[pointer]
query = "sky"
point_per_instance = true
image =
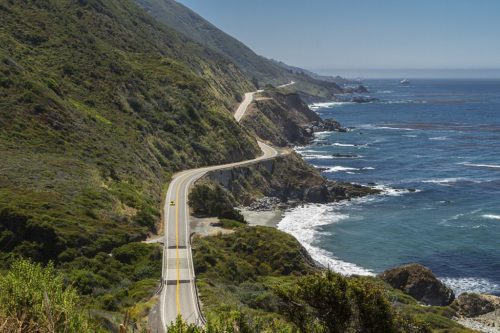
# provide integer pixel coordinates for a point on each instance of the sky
(367, 37)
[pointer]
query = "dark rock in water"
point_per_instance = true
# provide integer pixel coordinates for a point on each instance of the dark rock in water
(328, 125)
(420, 283)
(337, 155)
(473, 305)
(361, 99)
(361, 89)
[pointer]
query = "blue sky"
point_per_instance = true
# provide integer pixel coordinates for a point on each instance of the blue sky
(364, 34)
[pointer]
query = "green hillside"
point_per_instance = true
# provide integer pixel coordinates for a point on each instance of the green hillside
(258, 68)
(99, 105)
(181, 18)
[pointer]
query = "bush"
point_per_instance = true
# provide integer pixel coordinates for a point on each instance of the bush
(210, 199)
(329, 302)
(38, 300)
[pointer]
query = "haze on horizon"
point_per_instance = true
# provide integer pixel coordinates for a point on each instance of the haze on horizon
(387, 38)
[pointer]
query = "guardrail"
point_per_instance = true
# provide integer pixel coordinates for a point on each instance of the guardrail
(198, 305)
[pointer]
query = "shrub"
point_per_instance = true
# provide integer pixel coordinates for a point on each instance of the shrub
(37, 300)
(210, 199)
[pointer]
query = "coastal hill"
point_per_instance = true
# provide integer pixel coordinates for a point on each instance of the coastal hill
(259, 69)
(192, 25)
(100, 104)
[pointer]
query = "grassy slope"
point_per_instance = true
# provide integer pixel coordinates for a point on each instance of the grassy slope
(99, 104)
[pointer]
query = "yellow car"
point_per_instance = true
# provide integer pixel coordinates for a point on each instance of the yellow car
(172, 203)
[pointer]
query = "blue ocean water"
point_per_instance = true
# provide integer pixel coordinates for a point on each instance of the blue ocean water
(438, 137)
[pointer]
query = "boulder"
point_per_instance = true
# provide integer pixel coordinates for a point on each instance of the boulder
(473, 305)
(420, 283)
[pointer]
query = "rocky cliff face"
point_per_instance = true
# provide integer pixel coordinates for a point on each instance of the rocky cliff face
(284, 119)
(288, 178)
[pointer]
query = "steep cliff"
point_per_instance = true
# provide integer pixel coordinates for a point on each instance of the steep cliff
(288, 178)
(283, 119)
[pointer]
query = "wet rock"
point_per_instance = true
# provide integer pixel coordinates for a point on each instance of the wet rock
(420, 283)
(362, 99)
(473, 305)
(327, 125)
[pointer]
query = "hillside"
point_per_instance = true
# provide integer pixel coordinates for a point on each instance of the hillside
(261, 70)
(99, 105)
(184, 20)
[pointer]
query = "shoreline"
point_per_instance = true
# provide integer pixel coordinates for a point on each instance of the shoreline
(267, 218)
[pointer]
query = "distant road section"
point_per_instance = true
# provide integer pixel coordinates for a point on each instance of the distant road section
(179, 295)
(249, 97)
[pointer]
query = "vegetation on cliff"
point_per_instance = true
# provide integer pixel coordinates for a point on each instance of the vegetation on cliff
(210, 199)
(262, 280)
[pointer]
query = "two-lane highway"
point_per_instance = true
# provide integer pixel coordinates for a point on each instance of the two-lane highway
(179, 295)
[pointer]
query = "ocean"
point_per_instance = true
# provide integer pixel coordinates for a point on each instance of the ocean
(433, 147)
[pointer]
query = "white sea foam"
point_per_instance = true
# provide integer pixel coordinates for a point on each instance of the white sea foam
(339, 168)
(491, 166)
(396, 128)
(337, 144)
(404, 101)
(368, 168)
(377, 127)
(491, 216)
(316, 157)
(448, 181)
(439, 138)
(393, 192)
(321, 134)
(310, 151)
(470, 284)
(303, 223)
(327, 105)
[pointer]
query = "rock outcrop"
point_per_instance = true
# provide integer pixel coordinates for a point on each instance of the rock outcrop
(284, 119)
(472, 305)
(420, 283)
(288, 178)
(361, 89)
(328, 125)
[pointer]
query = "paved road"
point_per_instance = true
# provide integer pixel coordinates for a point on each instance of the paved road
(249, 97)
(178, 295)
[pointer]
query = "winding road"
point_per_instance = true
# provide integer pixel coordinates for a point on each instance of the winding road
(178, 294)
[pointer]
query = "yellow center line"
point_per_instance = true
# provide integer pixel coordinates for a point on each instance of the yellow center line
(177, 249)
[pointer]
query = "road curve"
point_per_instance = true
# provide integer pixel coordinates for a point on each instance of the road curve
(249, 96)
(178, 294)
